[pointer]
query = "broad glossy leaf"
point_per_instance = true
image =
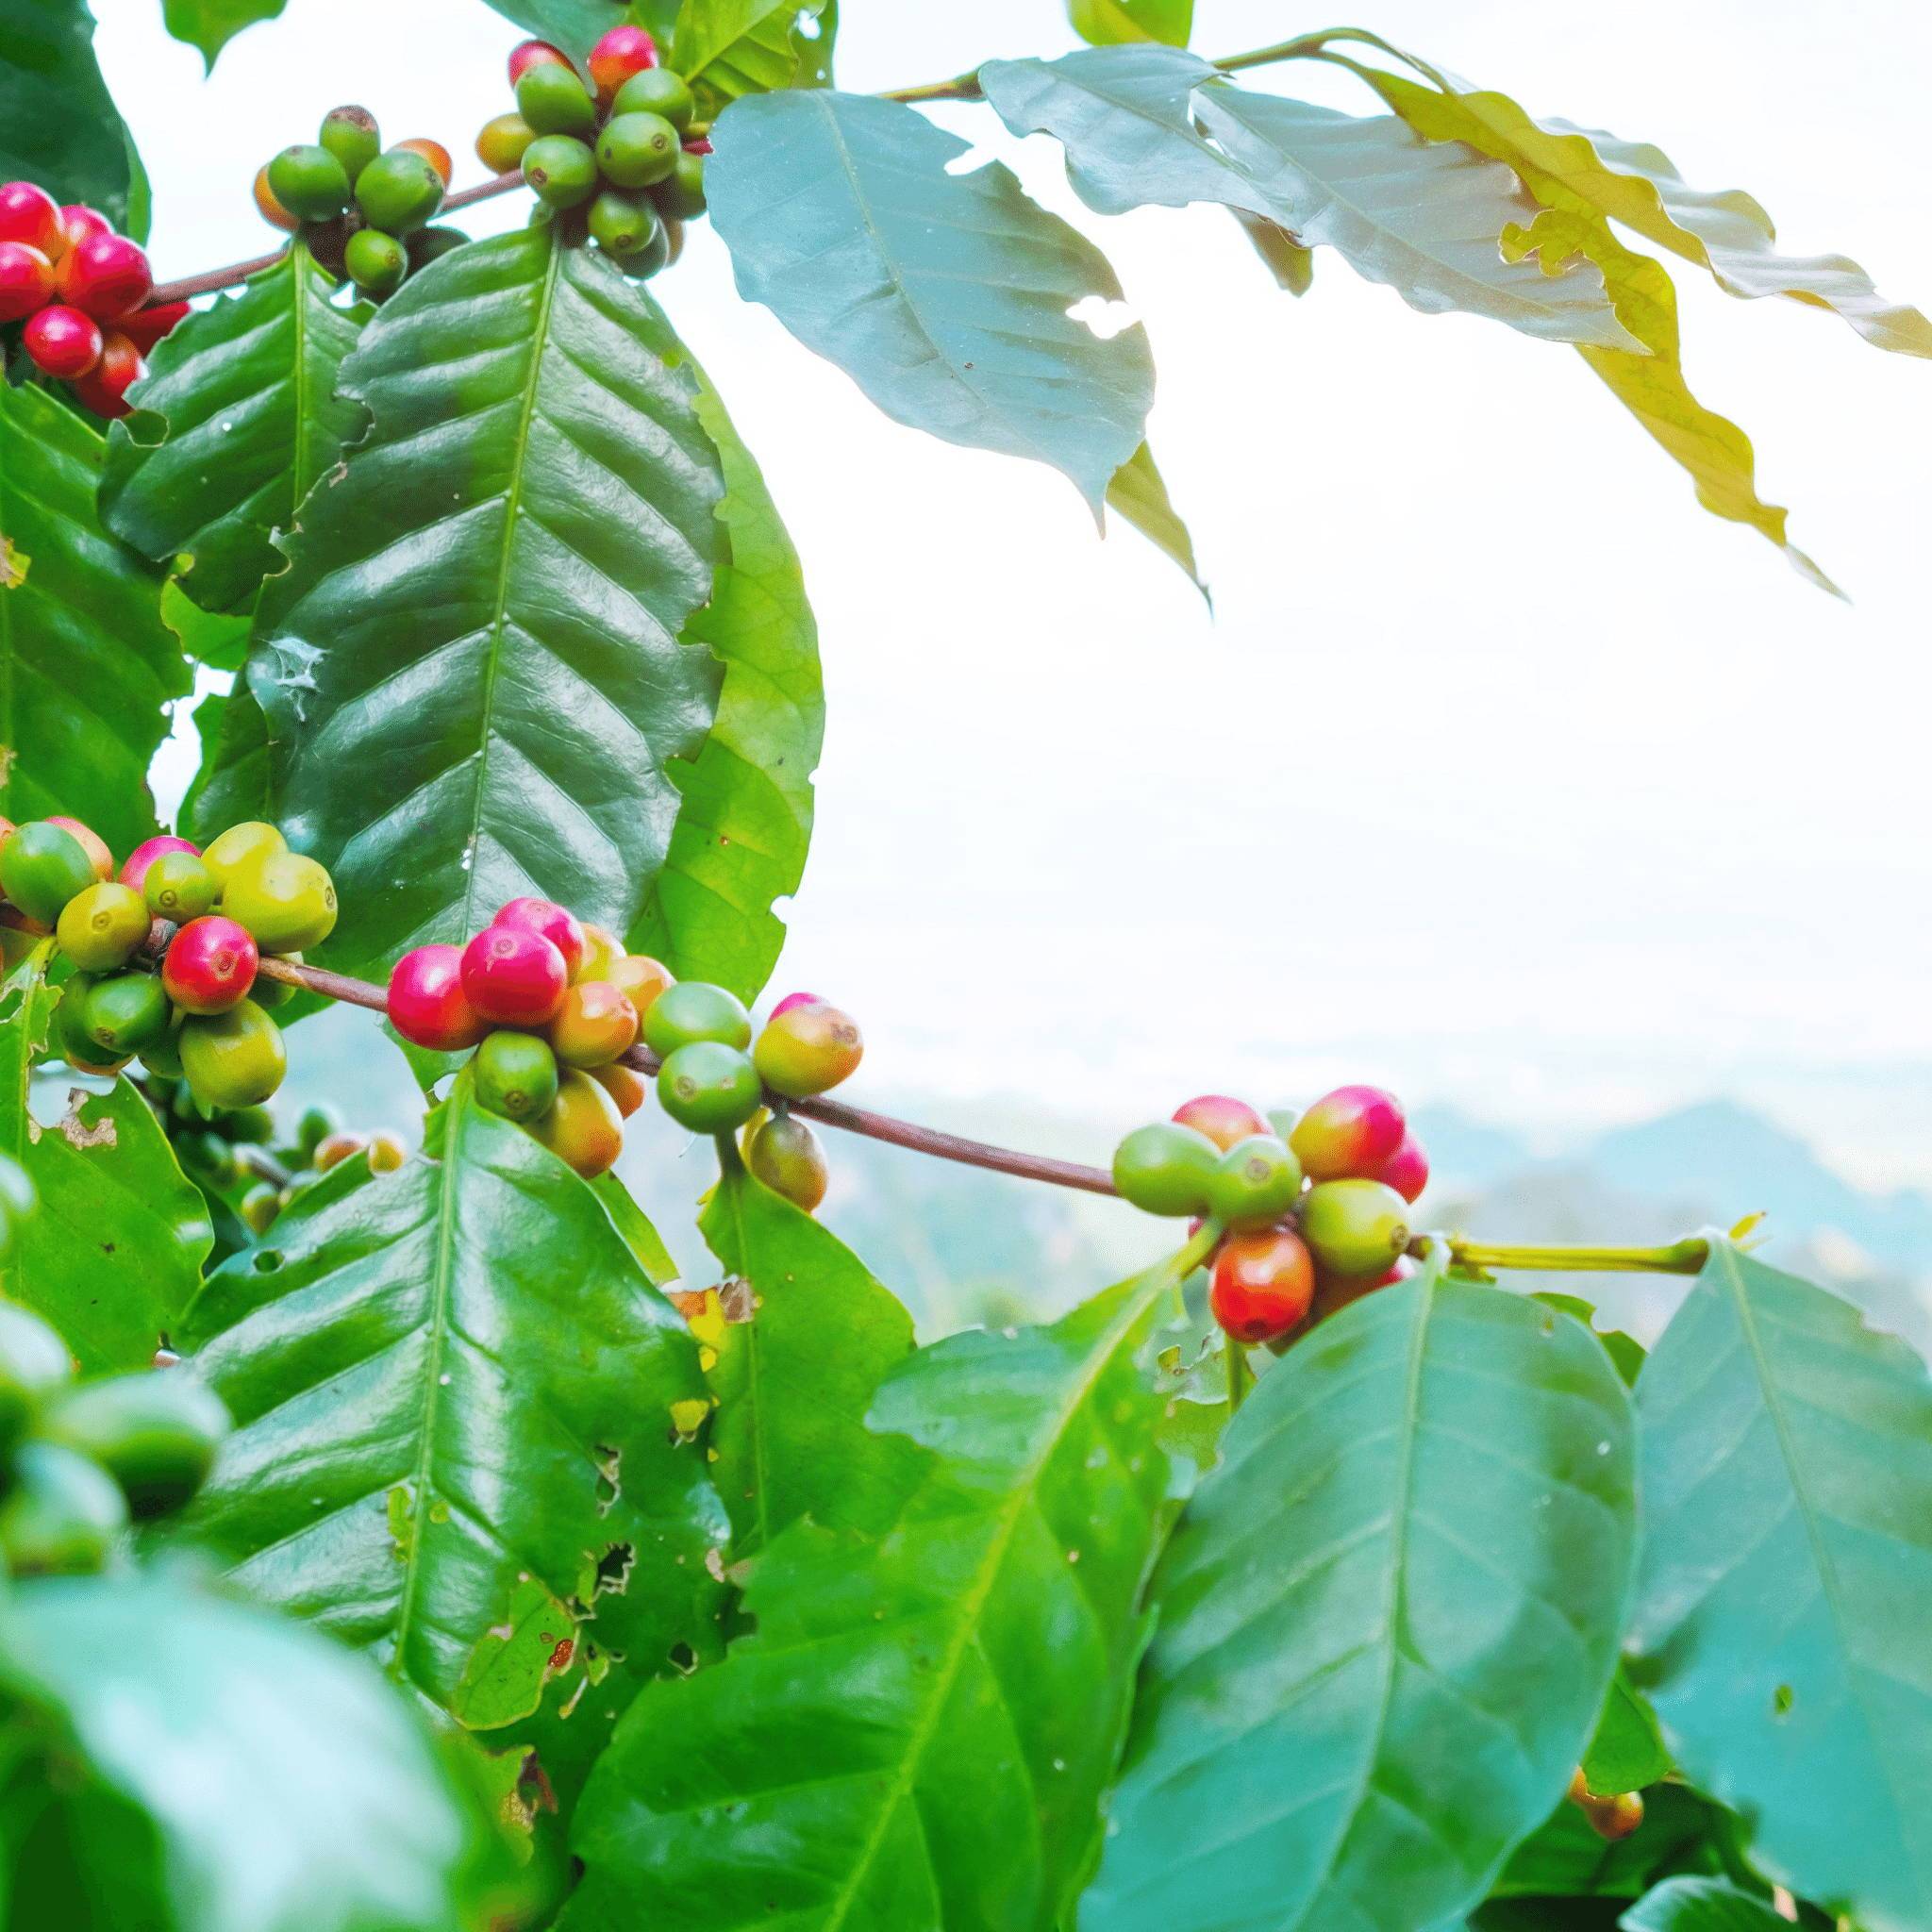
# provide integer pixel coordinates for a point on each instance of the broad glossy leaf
(289, 1788)
(1701, 1905)
(744, 821)
(58, 122)
(87, 667)
(802, 1339)
(1386, 1624)
(943, 296)
(210, 25)
(235, 424)
(575, 25)
(1106, 21)
(472, 671)
(447, 1381)
(917, 1733)
(1139, 492)
(114, 1255)
(1781, 1631)
(233, 781)
(730, 48)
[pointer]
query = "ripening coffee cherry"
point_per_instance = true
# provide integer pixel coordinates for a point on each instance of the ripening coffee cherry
(102, 928)
(657, 91)
(603, 949)
(431, 245)
(242, 845)
(1616, 1817)
(1223, 1121)
(333, 1149)
(619, 56)
(793, 1001)
(433, 152)
(1406, 1170)
(26, 280)
(1262, 1284)
(640, 979)
(309, 182)
(62, 342)
(560, 170)
(623, 1084)
(696, 1010)
(235, 1058)
(548, 920)
(352, 136)
(387, 1152)
(91, 843)
(208, 967)
(807, 1051)
(377, 264)
(1165, 1168)
(146, 327)
(34, 1362)
(134, 867)
(1348, 1134)
(286, 900)
(61, 1515)
(125, 1014)
(108, 277)
(681, 196)
(514, 977)
(41, 867)
(528, 54)
(269, 208)
(179, 886)
(501, 143)
(582, 1126)
(155, 1435)
(707, 1086)
(1254, 1183)
(554, 101)
(785, 1155)
(30, 215)
(398, 192)
(1354, 1227)
(635, 150)
(259, 1207)
(517, 1074)
(594, 1025)
(427, 1004)
(621, 223)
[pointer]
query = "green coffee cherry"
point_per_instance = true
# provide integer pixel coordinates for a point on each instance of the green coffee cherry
(309, 182)
(72, 1040)
(693, 1010)
(1166, 1168)
(657, 91)
(125, 1014)
(653, 256)
(101, 928)
(1254, 1183)
(33, 1364)
(1354, 1227)
(316, 1124)
(156, 1432)
(351, 135)
(376, 262)
(161, 1055)
(622, 224)
(561, 171)
(553, 100)
(635, 150)
(41, 867)
(62, 1514)
(709, 1087)
(681, 193)
(398, 192)
(259, 1207)
(180, 887)
(516, 1075)
(431, 245)
(235, 1058)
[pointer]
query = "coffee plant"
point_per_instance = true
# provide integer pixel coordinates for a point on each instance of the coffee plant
(391, 1539)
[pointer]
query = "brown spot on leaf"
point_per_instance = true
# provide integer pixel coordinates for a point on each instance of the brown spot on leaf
(12, 566)
(104, 1133)
(738, 1300)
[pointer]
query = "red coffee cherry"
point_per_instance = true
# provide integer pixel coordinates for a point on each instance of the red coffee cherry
(91, 843)
(104, 387)
(78, 223)
(1348, 1134)
(427, 1004)
(1262, 1284)
(32, 216)
(1223, 1121)
(62, 342)
(1406, 1170)
(551, 922)
(105, 277)
(26, 280)
(621, 53)
(514, 977)
(146, 327)
(211, 965)
(527, 54)
(134, 867)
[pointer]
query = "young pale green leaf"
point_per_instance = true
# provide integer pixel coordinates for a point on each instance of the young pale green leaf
(744, 819)
(943, 295)
(448, 1381)
(917, 1734)
(730, 48)
(1386, 1626)
(87, 667)
(58, 122)
(1781, 1631)
(1291, 265)
(1106, 23)
(209, 26)
(1139, 493)
(114, 1255)
(471, 671)
(286, 1786)
(234, 426)
(803, 1336)
(1701, 1905)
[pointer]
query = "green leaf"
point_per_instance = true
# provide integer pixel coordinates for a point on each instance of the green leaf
(806, 1336)
(1564, 1855)
(1627, 1751)
(730, 48)
(87, 667)
(210, 25)
(1387, 1624)
(1139, 492)
(1106, 21)
(1291, 265)
(235, 425)
(472, 669)
(917, 1733)
(1780, 1631)
(447, 1381)
(288, 1787)
(639, 1237)
(58, 122)
(943, 296)
(575, 25)
(114, 1255)
(1700, 1904)
(744, 823)
(233, 783)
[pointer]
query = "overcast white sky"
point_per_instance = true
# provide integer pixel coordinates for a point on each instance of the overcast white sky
(1505, 775)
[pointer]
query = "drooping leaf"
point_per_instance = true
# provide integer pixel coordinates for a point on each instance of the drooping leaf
(1700, 1904)
(1386, 1626)
(803, 1338)
(59, 125)
(1291, 265)
(730, 48)
(1139, 492)
(210, 25)
(1627, 1751)
(918, 1732)
(114, 1255)
(1780, 1631)
(235, 424)
(943, 296)
(87, 667)
(447, 1381)
(744, 819)
(289, 1789)
(1106, 21)
(471, 671)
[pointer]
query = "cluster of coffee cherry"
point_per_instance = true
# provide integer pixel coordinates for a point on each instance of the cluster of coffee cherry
(619, 165)
(1315, 1208)
(77, 294)
(364, 208)
(165, 955)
